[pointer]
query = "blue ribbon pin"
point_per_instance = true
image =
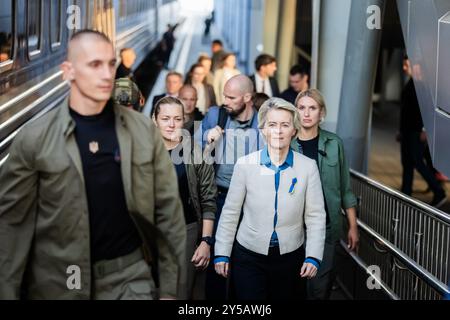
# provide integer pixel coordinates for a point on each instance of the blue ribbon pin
(292, 188)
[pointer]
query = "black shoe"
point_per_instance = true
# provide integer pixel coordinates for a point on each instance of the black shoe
(439, 200)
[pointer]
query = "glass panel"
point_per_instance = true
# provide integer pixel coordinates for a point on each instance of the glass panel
(6, 23)
(55, 21)
(34, 25)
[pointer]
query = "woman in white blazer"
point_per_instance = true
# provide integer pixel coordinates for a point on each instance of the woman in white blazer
(278, 192)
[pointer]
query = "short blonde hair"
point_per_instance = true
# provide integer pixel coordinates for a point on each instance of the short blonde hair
(316, 95)
(278, 104)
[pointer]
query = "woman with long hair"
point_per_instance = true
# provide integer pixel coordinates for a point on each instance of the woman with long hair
(205, 93)
(227, 71)
(327, 150)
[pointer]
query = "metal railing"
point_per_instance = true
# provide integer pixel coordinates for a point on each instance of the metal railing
(407, 239)
(49, 101)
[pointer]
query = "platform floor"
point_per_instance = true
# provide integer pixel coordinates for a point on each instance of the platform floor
(384, 163)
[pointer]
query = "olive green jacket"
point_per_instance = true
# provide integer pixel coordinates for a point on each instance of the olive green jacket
(335, 177)
(200, 176)
(44, 218)
(202, 186)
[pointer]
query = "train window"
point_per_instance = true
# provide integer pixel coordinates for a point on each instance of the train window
(55, 22)
(6, 23)
(34, 26)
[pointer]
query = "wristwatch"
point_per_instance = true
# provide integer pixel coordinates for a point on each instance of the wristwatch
(208, 240)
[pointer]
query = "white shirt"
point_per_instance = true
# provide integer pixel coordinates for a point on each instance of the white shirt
(260, 84)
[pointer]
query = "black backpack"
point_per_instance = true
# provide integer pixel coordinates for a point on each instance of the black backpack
(223, 117)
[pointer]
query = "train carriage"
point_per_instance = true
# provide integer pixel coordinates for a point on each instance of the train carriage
(33, 42)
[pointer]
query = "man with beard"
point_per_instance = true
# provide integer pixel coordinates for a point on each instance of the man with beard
(232, 131)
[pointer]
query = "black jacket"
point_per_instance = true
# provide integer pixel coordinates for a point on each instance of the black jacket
(124, 72)
(289, 95)
(273, 85)
(157, 98)
(410, 116)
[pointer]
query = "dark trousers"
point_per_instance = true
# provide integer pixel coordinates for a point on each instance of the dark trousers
(412, 151)
(216, 286)
(271, 277)
(319, 287)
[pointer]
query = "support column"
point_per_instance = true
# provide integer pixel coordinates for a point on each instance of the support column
(286, 40)
(256, 42)
(271, 17)
(359, 74)
(330, 53)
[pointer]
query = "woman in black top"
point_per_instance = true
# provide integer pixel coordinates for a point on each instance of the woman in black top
(327, 150)
(197, 187)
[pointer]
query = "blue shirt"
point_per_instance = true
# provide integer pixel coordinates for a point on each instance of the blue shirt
(253, 142)
(235, 146)
(265, 161)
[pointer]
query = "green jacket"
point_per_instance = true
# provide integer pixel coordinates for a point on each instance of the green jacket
(335, 177)
(44, 218)
(202, 186)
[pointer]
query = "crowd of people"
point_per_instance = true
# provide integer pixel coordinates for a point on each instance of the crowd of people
(231, 191)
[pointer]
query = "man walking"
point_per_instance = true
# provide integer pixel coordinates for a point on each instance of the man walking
(263, 80)
(233, 130)
(87, 192)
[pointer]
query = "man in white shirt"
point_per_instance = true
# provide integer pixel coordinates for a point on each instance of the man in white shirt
(263, 79)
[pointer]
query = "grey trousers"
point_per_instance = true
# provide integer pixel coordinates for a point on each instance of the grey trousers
(133, 282)
(191, 284)
(319, 288)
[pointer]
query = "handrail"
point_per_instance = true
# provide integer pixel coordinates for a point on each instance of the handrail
(407, 261)
(2, 161)
(33, 105)
(427, 208)
(364, 266)
(413, 233)
(8, 140)
(29, 91)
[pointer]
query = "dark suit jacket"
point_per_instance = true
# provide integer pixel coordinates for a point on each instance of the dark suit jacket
(124, 72)
(157, 98)
(289, 95)
(198, 116)
(273, 85)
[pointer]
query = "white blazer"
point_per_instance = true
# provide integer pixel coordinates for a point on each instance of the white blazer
(253, 188)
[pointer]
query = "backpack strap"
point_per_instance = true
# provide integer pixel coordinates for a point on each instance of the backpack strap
(223, 117)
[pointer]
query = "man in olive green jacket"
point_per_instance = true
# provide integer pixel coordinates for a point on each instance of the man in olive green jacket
(45, 234)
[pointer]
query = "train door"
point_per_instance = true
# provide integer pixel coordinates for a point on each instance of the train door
(102, 17)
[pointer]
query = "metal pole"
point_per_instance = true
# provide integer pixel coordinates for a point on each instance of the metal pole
(316, 4)
(360, 67)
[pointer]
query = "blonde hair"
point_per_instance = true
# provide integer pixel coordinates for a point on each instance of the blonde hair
(316, 95)
(278, 104)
